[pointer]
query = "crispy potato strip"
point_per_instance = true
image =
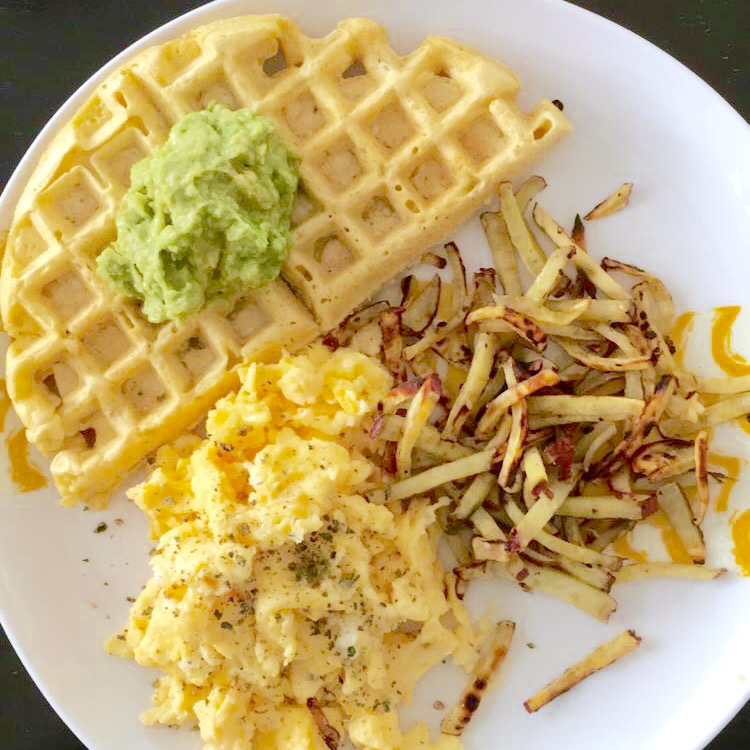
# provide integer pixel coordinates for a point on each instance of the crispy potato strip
(440, 329)
(550, 274)
(634, 507)
(595, 602)
(726, 410)
(525, 327)
(579, 257)
(540, 513)
(603, 364)
(467, 402)
(492, 656)
(548, 312)
(702, 497)
(528, 191)
(342, 335)
(602, 435)
(581, 554)
(429, 440)
(532, 256)
(663, 459)
(724, 385)
(597, 577)
(503, 252)
(486, 525)
(612, 203)
(535, 480)
(484, 548)
(599, 310)
(638, 571)
(518, 432)
(543, 406)
(417, 415)
(419, 484)
(585, 408)
(601, 657)
(475, 495)
(512, 396)
(393, 344)
(647, 419)
(419, 305)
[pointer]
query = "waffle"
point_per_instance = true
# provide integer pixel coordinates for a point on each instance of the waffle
(395, 152)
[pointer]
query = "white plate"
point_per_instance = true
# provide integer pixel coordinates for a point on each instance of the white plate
(638, 115)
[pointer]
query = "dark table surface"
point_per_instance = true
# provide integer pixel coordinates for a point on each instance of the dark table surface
(49, 47)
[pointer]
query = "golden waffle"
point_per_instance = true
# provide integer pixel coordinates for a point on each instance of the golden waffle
(395, 152)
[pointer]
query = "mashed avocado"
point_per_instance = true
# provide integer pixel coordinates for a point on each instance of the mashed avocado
(207, 216)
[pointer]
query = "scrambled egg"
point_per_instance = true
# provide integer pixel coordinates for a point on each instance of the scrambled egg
(280, 593)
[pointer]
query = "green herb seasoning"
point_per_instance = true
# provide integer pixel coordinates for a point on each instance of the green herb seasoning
(310, 564)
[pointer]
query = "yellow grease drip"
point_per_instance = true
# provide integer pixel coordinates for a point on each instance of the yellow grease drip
(675, 548)
(741, 538)
(623, 548)
(4, 403)
(730, 467)
(24, 473)
(721, 342)
(743, 424)
(679, 335)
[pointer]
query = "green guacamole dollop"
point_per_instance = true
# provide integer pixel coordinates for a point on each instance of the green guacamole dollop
(207, 216)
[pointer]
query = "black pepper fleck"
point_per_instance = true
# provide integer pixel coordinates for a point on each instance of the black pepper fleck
(472, 702)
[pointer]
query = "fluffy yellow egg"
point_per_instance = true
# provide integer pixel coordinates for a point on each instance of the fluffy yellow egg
(277, 582)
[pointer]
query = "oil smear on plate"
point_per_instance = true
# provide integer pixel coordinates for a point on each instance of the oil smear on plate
(734, 364)
(694, 334)
(720, 331)
(25, 475)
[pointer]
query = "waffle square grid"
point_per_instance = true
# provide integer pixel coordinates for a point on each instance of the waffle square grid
(395, 151)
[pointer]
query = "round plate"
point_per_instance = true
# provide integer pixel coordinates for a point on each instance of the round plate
(638, 115)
